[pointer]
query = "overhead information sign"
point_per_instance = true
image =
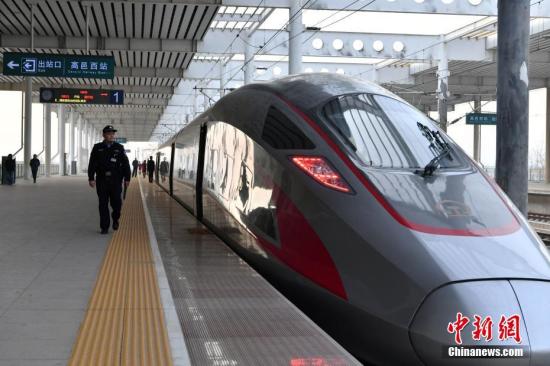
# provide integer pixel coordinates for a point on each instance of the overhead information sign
(481, 119)
(81, 96)
(56, 65)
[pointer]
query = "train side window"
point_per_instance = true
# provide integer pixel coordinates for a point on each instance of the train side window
(280, 133)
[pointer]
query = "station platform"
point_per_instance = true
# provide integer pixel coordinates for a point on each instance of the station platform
(50, 254)
(539, 199)
(539, 187)
(162, 290)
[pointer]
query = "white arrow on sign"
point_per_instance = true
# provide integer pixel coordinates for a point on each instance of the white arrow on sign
(12, 65)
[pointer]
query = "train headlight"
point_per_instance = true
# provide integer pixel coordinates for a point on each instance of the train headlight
(320, 170)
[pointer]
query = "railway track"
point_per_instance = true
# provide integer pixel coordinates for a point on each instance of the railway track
(541, 224)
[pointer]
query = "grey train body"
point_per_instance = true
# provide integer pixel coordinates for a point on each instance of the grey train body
(381, 256)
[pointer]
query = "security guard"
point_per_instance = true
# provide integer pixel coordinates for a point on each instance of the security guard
(108, 167)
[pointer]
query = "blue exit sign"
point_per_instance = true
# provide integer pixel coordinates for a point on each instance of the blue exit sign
(58, 65)
(481, 119)
(121, 140)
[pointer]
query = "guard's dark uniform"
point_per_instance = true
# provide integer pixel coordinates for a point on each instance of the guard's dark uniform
(110, 166)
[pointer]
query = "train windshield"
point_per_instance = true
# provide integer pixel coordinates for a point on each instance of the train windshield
(386, 133)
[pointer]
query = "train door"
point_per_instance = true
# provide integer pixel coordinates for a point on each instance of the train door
(157, 164)
(200, 171)
(171, 173)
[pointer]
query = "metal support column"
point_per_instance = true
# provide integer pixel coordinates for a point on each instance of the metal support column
(195, 103)
(84, 147)
(72, 127)
(248, 59)
(426, 109)
(88, 141)
(374, 75)
(48, 138)
(61, 118)
(84, 138)
(222, 79)
(27, 153)
(27, 140)
(79, 146)
(205, 101)
(295, 38)
(513, 100)
(91, 140)
(92, 137)
(443, 84)
(477, 131)
(547, 155)
(88, 137)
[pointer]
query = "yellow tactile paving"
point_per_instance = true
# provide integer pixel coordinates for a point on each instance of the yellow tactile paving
(124, 323)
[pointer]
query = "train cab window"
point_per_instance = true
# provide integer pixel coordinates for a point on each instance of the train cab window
(384, 132)
(280, 133)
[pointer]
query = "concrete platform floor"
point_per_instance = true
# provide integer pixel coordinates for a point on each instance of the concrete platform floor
(539, 187)
(50, 253)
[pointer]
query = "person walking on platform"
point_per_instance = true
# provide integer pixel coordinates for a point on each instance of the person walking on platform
(10, 169)
(144, 168)
(108, 167)
(150, 168)
(35, 163)
(164, 169)
(135, 165)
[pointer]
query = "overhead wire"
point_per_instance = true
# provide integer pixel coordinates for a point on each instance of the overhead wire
(263, 47)
(231, 43)
(535, 2)
(247, 61)
(303, 31)
(339, 20)
(316, 24)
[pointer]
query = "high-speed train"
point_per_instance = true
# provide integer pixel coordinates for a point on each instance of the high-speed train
(371, 219)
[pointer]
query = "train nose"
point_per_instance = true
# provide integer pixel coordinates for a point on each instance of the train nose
(534, 298)
(495, 322)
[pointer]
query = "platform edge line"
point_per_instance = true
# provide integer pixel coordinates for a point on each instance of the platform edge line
(177, 341)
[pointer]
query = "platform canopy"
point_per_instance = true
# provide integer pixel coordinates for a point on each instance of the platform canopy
(175, 57)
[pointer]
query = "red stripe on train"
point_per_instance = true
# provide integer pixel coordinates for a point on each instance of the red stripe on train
(301, 248)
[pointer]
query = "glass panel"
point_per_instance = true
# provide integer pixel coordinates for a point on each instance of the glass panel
(281, 133)
(384, 132)
(164, 166)
(185, 165)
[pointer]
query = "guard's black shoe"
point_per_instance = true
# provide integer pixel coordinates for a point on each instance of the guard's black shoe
(115, 225)
(104, 231)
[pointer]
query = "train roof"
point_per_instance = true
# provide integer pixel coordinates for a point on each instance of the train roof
(308, 91)
(312, 89)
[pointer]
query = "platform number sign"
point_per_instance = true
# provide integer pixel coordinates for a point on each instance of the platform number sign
(116, 97)
(81, 96)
